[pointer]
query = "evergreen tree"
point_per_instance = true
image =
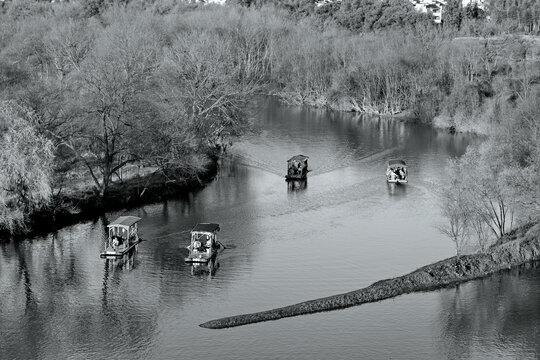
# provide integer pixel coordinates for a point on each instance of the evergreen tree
(474, 12)
(452, 15)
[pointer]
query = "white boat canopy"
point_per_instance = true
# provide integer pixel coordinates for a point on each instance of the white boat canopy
(124, 221)
(206, 228)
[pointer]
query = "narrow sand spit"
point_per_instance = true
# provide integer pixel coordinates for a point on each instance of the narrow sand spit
(522, 248)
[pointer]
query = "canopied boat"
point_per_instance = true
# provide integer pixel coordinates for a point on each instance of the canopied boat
(297, 167)
(396, 171)
(204, 244)
(123, 236)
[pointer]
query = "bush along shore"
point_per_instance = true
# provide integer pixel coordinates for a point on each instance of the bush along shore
(520, 248)
(81, 205)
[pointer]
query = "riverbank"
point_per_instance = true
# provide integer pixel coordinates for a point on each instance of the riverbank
(432, 86)
(343, 103)
(74, 206)
(346, 103)
(522, 246)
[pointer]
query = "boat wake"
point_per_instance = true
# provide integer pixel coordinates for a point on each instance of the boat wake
(344, 159)
(258, 163)
(264, 156)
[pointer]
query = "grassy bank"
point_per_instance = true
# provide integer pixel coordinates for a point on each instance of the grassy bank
(521, 247)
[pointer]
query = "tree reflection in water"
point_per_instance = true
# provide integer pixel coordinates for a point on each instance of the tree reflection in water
(112, 265)
(25, 275)
(494, 317)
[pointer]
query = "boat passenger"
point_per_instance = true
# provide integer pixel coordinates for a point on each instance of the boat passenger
(196, 246)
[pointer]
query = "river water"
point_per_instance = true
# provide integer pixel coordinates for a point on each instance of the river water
(342, 230)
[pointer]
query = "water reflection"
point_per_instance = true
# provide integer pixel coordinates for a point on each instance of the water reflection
(210, 268)
(396, 190)
(125, 262)
(24, 274)
(498, 315)
(296, 185)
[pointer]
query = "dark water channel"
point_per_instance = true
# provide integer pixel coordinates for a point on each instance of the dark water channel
(343, 230)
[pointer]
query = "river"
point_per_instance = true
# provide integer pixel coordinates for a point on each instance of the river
(342, 230)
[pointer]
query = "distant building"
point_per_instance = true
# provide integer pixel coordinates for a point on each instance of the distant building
(435, 7)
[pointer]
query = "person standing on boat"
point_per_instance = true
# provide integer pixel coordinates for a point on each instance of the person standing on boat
(115, 242)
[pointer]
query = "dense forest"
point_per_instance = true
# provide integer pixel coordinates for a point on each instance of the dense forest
(95, 91)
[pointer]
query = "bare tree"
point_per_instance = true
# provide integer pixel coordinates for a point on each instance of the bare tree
(524, 140)
(210, 82)
(67, 45)
(489, 194)
(484, 236)
(456, 211)
(110, 99)
(478, 200)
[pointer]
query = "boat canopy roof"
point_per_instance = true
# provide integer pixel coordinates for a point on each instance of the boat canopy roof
(206, 227)
(125, 221)
(299, 158)
(396, 162)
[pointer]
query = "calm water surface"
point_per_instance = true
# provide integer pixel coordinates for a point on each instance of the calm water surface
(342, 230)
